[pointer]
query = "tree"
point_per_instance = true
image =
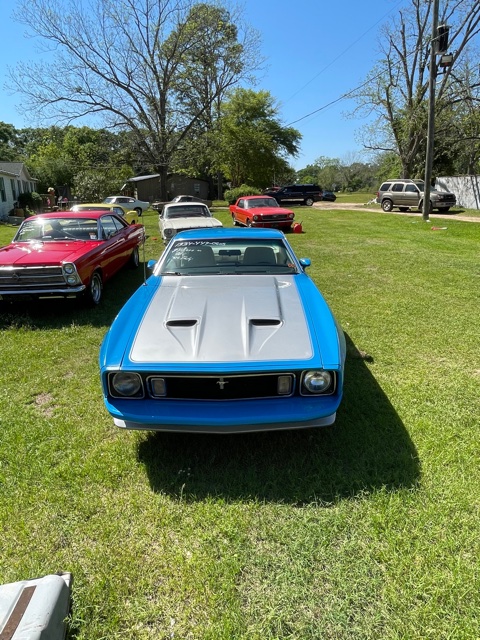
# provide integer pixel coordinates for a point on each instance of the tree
(396, 89)
(138, 64)
(73, 155)
(8, 143)
(253, 143)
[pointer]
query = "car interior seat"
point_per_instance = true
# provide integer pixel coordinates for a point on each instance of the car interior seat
(259, 256)
(200, 257)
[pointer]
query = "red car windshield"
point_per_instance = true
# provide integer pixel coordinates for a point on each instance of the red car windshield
(54, 229)
(260, 202)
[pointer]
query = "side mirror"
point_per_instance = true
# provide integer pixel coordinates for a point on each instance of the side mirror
(151, 264)
(305, 262)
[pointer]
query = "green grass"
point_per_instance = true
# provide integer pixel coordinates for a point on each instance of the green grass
(366, 530)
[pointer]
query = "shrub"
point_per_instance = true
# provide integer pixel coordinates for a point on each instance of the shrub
(232, 195)
(30, 200)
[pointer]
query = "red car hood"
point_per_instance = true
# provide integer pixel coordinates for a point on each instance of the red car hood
(269, 211)
(44, 253)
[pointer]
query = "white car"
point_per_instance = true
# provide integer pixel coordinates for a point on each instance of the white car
(132, 204)
(180, 216)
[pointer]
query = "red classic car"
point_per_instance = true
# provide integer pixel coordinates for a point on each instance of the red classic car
(261, 211)
(66, 254)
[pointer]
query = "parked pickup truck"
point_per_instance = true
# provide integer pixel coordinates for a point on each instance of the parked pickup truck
(261, 211)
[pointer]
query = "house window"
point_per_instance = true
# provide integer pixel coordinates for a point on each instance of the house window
(14, 193)
(3, 195)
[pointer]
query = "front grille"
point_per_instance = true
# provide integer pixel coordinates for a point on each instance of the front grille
(40, 277)
(222, 387)
(275, 218)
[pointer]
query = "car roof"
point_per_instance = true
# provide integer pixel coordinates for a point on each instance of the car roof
(99, 206)
(222, 233)
(179, 205)
(70, 214)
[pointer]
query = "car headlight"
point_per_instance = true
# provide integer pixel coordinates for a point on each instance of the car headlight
(127, 384)
(70, 273)
(256, 218)
(291, 216)
(69, 268)
(318, 382)
(168, 233)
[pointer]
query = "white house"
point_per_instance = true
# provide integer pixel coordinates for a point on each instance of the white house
(14, 180)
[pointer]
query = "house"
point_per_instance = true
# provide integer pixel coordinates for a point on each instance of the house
(147, 188)
(14, 180)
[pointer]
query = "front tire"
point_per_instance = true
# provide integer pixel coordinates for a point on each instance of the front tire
(443, 209)
(309, 202)
(95, 290)
(420, 207)
(234, 220)
(138, 211)
(387, 205)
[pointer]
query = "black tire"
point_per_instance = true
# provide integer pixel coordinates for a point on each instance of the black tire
(138, 211)
(420, 207)
(249, 222)
(94, 290)
(235, 223)
(403, 209)
(134, 258)
(387, 205)
(443, 209)
(308, 202)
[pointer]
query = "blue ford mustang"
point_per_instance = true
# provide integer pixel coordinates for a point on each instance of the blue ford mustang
(227, 335)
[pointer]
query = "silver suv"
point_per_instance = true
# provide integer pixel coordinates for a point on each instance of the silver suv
(406, 194)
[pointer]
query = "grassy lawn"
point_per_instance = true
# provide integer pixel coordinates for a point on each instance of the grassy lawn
(366, 530)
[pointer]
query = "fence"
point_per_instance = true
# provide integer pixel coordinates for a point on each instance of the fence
(466, 188)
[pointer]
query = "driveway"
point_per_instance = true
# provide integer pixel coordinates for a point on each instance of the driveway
(355, 206)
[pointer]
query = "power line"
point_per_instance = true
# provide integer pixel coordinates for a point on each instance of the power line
(343, 52)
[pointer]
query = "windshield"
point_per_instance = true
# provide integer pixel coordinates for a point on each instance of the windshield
(55, 229)
(260, 202)
(229, 256)
(187, 211)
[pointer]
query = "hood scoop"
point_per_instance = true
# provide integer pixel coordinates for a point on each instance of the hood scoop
(265, 322)
(181, 323)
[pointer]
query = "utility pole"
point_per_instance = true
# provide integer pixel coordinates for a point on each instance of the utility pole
(431, 113)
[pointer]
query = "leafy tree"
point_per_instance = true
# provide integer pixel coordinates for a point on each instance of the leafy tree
(396, 89)
(253, 143)
(150, 67)
(8, 143)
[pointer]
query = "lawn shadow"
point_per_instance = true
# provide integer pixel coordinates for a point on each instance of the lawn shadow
(56, 313)
(367, 449)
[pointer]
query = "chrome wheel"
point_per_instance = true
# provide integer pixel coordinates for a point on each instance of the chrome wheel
(95, 289)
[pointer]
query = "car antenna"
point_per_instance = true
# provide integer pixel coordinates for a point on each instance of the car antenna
(144, 256)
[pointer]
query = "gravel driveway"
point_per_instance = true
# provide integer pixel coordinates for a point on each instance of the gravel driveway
(355, 206)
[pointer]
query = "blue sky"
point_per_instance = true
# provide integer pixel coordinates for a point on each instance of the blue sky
(316, 52)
